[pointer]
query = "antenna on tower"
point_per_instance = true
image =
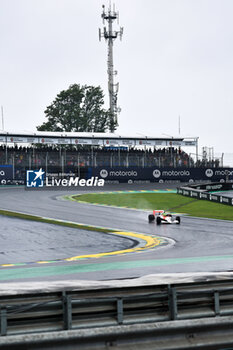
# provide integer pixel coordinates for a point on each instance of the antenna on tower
(110, 35)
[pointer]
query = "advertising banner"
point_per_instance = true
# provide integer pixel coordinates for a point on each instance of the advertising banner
(6, 174)
(97, 142)
(32, 140)
(16, 139)
(145, 143)
(193, 192)
(49, 141)
(112, 142)
(128, 143)
(63, 141)
(81, 141)
(155, 174)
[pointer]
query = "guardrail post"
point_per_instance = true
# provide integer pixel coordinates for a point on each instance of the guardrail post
(216, 304)
(67, 311)
(119, 311)
(3, 321)
(172, 302)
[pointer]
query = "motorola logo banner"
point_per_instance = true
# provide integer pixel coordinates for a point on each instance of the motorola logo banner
(103, 173)
(209, 172)
(156, 173)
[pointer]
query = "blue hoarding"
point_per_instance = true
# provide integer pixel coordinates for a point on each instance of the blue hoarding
(6, 174)
(155, 174)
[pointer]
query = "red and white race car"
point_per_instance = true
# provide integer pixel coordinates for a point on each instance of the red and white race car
(162, 217)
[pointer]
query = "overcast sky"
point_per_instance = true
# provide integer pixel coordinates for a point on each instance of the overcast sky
(175, 59)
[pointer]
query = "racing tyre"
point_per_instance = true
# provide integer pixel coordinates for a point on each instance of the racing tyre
(158, 220)
(178, 220)
(151, 218)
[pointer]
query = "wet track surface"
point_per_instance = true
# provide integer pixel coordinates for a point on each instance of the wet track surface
(198, 244)
(24, 241)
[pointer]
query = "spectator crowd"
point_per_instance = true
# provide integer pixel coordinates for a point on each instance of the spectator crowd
(87, 156)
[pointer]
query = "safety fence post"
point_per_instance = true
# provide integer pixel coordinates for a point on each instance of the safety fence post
(67, 311)
(119, 311)
(3, 321)
(172, 302)
(216, 304)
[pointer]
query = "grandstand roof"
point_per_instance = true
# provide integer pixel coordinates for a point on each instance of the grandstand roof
(84, 138)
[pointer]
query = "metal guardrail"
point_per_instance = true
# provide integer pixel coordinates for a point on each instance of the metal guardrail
(165, 317)
(72, 310)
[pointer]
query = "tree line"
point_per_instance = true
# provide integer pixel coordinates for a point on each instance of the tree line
(79, 109)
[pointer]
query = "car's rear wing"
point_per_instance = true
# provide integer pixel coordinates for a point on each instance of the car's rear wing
(158, 212)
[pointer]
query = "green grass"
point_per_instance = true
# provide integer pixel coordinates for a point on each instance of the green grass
(169, 202)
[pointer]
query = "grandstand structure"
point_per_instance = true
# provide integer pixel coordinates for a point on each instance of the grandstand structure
(89, 149)
(98, 154)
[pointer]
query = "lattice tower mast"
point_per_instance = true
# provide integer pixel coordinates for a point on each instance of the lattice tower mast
(110, 35)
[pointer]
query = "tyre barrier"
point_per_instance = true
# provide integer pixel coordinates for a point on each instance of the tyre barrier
(205, 191)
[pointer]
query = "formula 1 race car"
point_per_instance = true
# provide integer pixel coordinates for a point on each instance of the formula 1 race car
(163, 218)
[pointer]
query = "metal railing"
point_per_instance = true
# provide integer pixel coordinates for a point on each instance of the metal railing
(81, 310)
(205, 192)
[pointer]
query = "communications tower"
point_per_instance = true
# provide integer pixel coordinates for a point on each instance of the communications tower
(110, 35)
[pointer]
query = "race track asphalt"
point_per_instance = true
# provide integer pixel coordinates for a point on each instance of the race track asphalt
(197, 245)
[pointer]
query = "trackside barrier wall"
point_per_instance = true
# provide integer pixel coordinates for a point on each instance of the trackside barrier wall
(156, 174)
(6, 173)
(202, 191)
(134, 309)
(16, 175)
